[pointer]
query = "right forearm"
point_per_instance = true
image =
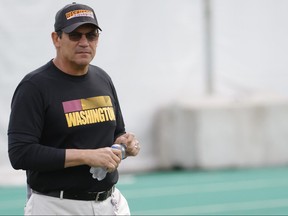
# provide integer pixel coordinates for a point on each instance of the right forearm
(108, 158)
(75, 157)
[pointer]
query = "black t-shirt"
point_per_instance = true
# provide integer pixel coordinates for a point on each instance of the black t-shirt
(52, 111)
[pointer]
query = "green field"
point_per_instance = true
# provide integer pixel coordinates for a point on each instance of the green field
(223, 192)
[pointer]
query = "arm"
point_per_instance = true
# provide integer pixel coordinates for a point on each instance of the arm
(103, 157)
(24, 132)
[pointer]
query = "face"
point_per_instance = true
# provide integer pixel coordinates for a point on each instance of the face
(78, 48)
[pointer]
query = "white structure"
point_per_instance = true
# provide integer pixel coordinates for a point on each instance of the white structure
(217, 133)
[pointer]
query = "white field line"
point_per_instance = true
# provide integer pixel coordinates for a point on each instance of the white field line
(204, 188)
(218, 208)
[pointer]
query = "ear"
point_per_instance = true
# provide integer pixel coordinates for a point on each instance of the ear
(97, 41)
(55, 39)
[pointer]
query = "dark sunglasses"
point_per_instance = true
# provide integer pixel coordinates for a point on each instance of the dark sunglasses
(76, 36)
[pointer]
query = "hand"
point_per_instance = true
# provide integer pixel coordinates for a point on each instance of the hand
(132, 144)
(105, 157)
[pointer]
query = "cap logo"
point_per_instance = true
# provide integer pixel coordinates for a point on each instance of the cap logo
(79, 13)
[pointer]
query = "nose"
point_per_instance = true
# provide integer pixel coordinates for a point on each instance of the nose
(83, 41)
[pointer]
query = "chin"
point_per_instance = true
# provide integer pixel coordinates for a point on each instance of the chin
(83, 62)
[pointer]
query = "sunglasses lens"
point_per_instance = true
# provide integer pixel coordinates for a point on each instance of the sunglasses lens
(76, 36)
(92, 36)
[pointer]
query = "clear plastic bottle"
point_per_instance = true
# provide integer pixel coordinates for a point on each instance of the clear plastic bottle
(100, 172)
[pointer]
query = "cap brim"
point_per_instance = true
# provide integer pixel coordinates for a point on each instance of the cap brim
(72, 27)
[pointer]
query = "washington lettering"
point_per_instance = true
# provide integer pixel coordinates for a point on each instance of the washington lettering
(88, 111)
(79, 13)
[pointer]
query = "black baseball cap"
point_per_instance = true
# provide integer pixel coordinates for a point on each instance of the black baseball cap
(74, 15)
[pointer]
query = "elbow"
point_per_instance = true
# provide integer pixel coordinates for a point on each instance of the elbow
(17, 152)
(17, 157)
(15, 166)
(15, 162)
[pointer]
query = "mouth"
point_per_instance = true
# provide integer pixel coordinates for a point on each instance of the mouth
(83, 52)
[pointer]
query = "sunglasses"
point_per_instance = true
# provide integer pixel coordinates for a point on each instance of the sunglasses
(90, 36)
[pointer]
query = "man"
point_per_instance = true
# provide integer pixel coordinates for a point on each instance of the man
(65, 116)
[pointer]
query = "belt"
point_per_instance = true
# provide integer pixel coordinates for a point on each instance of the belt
(88, 196)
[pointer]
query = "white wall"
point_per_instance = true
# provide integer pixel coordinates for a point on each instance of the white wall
(153, 50)
(251, 46)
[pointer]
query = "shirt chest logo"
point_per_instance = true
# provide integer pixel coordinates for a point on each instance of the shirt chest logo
(88, 111)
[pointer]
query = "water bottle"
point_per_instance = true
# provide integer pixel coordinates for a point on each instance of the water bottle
(100, 172)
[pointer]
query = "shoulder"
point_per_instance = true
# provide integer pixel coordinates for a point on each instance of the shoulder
(39, 73)
(100, 75)
(36, 79)
(99, 72)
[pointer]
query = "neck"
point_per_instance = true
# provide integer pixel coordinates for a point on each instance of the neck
(74, 70)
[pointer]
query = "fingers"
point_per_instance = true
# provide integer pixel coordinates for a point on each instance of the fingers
(106, 157)
(117, 152)
(135, 147)
(131, 142)
(136, 144)
(110, 158)
(121, 139)
(115, 160)
(111, 167)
